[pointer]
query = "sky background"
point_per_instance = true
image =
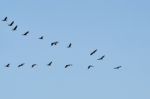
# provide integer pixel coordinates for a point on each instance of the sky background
(119, 29)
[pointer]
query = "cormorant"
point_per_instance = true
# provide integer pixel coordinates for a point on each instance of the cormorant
(11, 23)
(118, 67)
(68, 65)
(15, 28)
(69, 46)
(26, 33)
(90, 66)
(101, 57)
(5, 19)
(93, 52)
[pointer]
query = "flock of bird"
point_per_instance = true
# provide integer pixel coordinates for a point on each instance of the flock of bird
(52, 44)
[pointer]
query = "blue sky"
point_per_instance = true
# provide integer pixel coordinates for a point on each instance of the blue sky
(117, 28)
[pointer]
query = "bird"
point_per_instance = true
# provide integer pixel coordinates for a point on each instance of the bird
(69, 46)
(41, 37)
(93, 52)
(90, 66)
(8, 65)
(68, 65)
(26, 33)
(15, 28)
(5, 19)
(54, 43)
(49, 64)
(118, 67)
(101, 57)
(21, 65)
(11, 23)
(33, 65)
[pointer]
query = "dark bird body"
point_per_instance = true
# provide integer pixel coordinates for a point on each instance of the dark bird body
(101, 57)
(15, 28)
(93, 52)
(118, 67)
(54, 43)
(68, 65)
(41, 37)
(26, 33)
(8, 65)
(90, 66)
(5, 19)
(21, 65)
(49, 64)
(33, 65)
(11, 23)
(69, 46)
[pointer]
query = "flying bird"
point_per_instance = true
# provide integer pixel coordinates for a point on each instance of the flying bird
(118, 67)
(69, 46)
(26, 33)
(93, 52)
(15, 28)
(101, 57)
(54, 43)
(68, 65)
(41, 37)
(33, 65)
(8, 65)
(49, 64)
(11, 23)
(90, 66)
(5, 19)
(21, 65)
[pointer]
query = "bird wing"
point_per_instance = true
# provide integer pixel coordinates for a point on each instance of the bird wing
(118, 67)
(93, 52)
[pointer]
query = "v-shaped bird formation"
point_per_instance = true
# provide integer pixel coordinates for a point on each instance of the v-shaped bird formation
(55, 43)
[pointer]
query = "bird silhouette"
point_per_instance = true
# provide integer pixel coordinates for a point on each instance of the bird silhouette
(15, 28)
(54, 43)
(69, 46)
(41, 37)
(8, 65)
(21, 65)
(33, 65)
(26, 33)
(90, 66)
(11, 23)
(101, 57)
(93, 52)
(118, 67)
(49, 64)
(68, 65)
(5, 19)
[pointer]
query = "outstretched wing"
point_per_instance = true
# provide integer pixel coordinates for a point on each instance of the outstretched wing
(93, 52)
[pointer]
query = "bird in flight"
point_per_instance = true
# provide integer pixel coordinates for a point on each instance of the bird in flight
(21, 65)
(11, 23)
(8, 65)
(54, 43)
(26, 33)
(101, 57)
(118, 67)
(93, 52)
(41, 37)
(33, 65)
(68, 65)
(49, 64)
(5, 19)
(90, 66)
(15, 28)
(69, 46)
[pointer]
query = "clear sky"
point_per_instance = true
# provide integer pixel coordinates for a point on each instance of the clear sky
(119, 29)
